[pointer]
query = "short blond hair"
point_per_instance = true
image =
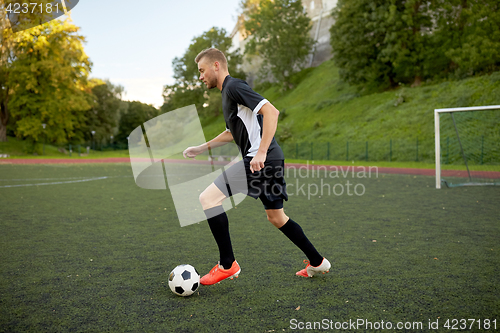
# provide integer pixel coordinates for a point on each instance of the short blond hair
(212, 55)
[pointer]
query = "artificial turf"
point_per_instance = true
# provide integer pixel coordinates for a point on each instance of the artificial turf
(94, 256)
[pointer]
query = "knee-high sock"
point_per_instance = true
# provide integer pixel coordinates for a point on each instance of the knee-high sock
(295, 233)
(219, 225)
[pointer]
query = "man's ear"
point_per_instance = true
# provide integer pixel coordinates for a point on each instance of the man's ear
(216, 65)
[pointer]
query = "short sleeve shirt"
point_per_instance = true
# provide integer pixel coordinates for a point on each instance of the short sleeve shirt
(240, 105)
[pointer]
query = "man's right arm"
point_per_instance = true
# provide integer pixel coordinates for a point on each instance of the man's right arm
(219, 140)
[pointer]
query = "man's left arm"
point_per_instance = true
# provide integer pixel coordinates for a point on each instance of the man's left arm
(269, 124)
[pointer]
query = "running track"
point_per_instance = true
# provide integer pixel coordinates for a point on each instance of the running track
(404, 171)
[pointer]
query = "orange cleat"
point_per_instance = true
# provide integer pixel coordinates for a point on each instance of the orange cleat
(311, 271)
(218, 273)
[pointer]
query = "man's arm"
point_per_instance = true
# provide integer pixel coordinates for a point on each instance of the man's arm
(219, 140)
(269, 125)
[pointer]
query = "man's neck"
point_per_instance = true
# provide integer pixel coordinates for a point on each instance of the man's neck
(221, 79)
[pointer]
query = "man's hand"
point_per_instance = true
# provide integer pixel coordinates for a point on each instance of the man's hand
(257, 163)
(191, 152)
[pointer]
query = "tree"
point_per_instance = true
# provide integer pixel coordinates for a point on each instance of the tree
(9, 49)
(469, 35)
(47, 82)
(105, 99)
(407, 41)
(357, 37)
(6, 57)
(134, 114)
(179, 95)
(188, 89)
(385, 43)
(279, 32)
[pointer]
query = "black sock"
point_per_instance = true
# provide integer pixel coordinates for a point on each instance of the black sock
(219, 225)
(295, 233)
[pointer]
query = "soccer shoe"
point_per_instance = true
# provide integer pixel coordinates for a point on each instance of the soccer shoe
(311, 271)
(218, 273)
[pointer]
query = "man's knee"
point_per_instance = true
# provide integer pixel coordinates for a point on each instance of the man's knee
(211, 198)
(278, 219)
(205, 200)
(271, 219)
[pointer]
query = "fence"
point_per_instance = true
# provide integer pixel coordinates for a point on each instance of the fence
(373, 150)
(487, 150)
(415, 150)
(82, 149)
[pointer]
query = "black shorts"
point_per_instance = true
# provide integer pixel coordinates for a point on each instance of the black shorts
(267, 184)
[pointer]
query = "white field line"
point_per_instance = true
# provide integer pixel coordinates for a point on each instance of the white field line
(33, 179)
(57, 183)
(77, 180)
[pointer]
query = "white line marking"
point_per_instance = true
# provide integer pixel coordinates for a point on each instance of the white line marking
(32, 179)
(56, 183)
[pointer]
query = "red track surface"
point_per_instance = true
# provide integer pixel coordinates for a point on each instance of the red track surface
(320, 168)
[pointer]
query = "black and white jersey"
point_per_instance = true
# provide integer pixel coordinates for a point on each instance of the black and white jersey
(240, 105)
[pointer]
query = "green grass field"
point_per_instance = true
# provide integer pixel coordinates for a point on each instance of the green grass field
(94, 256)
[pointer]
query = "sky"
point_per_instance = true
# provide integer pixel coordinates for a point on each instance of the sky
(133, 43)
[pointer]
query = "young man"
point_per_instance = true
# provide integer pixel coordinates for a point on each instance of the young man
(251, 122)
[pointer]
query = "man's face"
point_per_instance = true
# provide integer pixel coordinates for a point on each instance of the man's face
(207, 73)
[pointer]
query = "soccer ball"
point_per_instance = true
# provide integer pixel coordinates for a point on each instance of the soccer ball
(184, 280)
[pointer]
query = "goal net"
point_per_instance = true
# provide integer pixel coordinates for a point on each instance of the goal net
(467, 146)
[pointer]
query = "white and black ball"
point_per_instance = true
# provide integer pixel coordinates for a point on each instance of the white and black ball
(184, 280)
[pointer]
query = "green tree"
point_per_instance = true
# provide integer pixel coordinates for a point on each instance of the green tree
(407, 41)
(9, 51)
(105, 99)
(469, 35)
(134, 114)
(6, 41)
(279, 32)
(179, 95)
(47, 82)
(188, 89)
(385, 43)
(380, 44)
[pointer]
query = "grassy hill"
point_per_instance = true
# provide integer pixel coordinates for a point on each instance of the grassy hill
(322, 109)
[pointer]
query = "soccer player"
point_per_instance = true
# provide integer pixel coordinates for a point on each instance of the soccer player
(251, 122)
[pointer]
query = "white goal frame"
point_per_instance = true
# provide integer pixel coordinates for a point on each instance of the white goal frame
(437, 134)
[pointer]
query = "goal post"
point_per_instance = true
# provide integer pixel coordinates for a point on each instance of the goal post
(472, 144)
